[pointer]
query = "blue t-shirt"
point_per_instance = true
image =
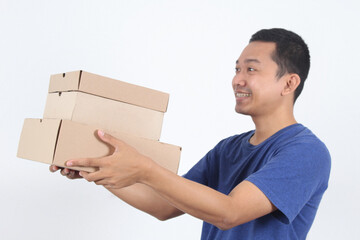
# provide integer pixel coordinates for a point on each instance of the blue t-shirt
(291, 168)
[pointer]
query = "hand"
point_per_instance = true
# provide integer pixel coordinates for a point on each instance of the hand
(71, 174)
(123, 168)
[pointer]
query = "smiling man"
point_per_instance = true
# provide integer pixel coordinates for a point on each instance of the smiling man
(263, 184)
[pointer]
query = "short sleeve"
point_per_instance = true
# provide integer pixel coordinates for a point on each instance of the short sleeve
(296, 174)
(198, 173)
(205, 171)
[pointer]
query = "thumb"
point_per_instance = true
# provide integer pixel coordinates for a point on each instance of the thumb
(109, 139)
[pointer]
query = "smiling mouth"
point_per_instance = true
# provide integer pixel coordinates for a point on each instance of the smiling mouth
(242, 94)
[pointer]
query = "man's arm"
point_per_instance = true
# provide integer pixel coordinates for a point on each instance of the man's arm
(126, 167)
(147, 200)
(245, 202)
(139, 196)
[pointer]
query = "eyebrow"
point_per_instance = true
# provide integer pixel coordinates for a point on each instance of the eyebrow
(249, 60)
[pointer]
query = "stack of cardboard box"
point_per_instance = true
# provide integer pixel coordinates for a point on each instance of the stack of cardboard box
(79, 103)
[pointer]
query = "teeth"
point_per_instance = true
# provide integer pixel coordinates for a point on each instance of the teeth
(242, 94)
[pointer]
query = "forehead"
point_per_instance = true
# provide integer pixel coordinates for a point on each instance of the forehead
(261, 51)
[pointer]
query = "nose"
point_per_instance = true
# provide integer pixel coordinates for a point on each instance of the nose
(238, 80)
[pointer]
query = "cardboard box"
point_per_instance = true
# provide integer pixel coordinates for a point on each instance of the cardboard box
(54, 141)
(109, 88)
(104, 113)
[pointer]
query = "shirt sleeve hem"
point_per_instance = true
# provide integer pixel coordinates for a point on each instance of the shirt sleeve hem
(282, 214)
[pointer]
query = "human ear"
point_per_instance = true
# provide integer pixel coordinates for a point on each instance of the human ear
(292, 81)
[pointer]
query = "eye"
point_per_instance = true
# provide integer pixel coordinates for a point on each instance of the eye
(250, 69)
(237, 69)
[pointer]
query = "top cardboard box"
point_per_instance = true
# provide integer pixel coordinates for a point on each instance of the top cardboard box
(109, 88)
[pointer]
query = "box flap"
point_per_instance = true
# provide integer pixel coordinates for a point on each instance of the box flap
(60, 105)
(65, 82)
(109, 88)
(45, 133)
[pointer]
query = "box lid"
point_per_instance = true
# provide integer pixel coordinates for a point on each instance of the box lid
(45, 134)
(109, 88)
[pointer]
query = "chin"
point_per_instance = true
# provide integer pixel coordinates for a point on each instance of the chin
(241, 111)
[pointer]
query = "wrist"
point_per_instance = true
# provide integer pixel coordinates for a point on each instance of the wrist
(147, 168)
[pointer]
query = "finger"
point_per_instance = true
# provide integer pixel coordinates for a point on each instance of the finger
(84, 162)
(65, 171)
(92, 177)
(103, 182)
(53, 168)
(84, 175)
(116, 143)
(73, 174)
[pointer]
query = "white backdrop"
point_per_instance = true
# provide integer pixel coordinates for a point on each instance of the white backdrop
(185, 48)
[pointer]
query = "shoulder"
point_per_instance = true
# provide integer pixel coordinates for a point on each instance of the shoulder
(305, 152)
(302, 140)
(298, 137)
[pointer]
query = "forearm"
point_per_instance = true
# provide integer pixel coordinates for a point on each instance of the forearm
(190, 197)
(147, 200)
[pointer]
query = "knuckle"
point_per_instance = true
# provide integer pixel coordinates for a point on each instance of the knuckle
(87, 162)
(106, 163)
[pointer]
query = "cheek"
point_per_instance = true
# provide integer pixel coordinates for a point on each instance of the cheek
(271, 94)
(266, 93)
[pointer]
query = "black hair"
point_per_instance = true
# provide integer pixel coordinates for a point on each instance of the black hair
(291, 54)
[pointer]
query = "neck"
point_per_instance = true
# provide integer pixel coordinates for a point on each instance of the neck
(266, 126)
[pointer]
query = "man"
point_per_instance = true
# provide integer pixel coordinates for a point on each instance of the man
(262, 184)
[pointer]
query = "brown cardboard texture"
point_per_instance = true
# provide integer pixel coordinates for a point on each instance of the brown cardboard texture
(109, 88)
(104, 113)
(55, 141)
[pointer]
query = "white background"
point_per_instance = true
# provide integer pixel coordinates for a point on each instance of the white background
(185, 48)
